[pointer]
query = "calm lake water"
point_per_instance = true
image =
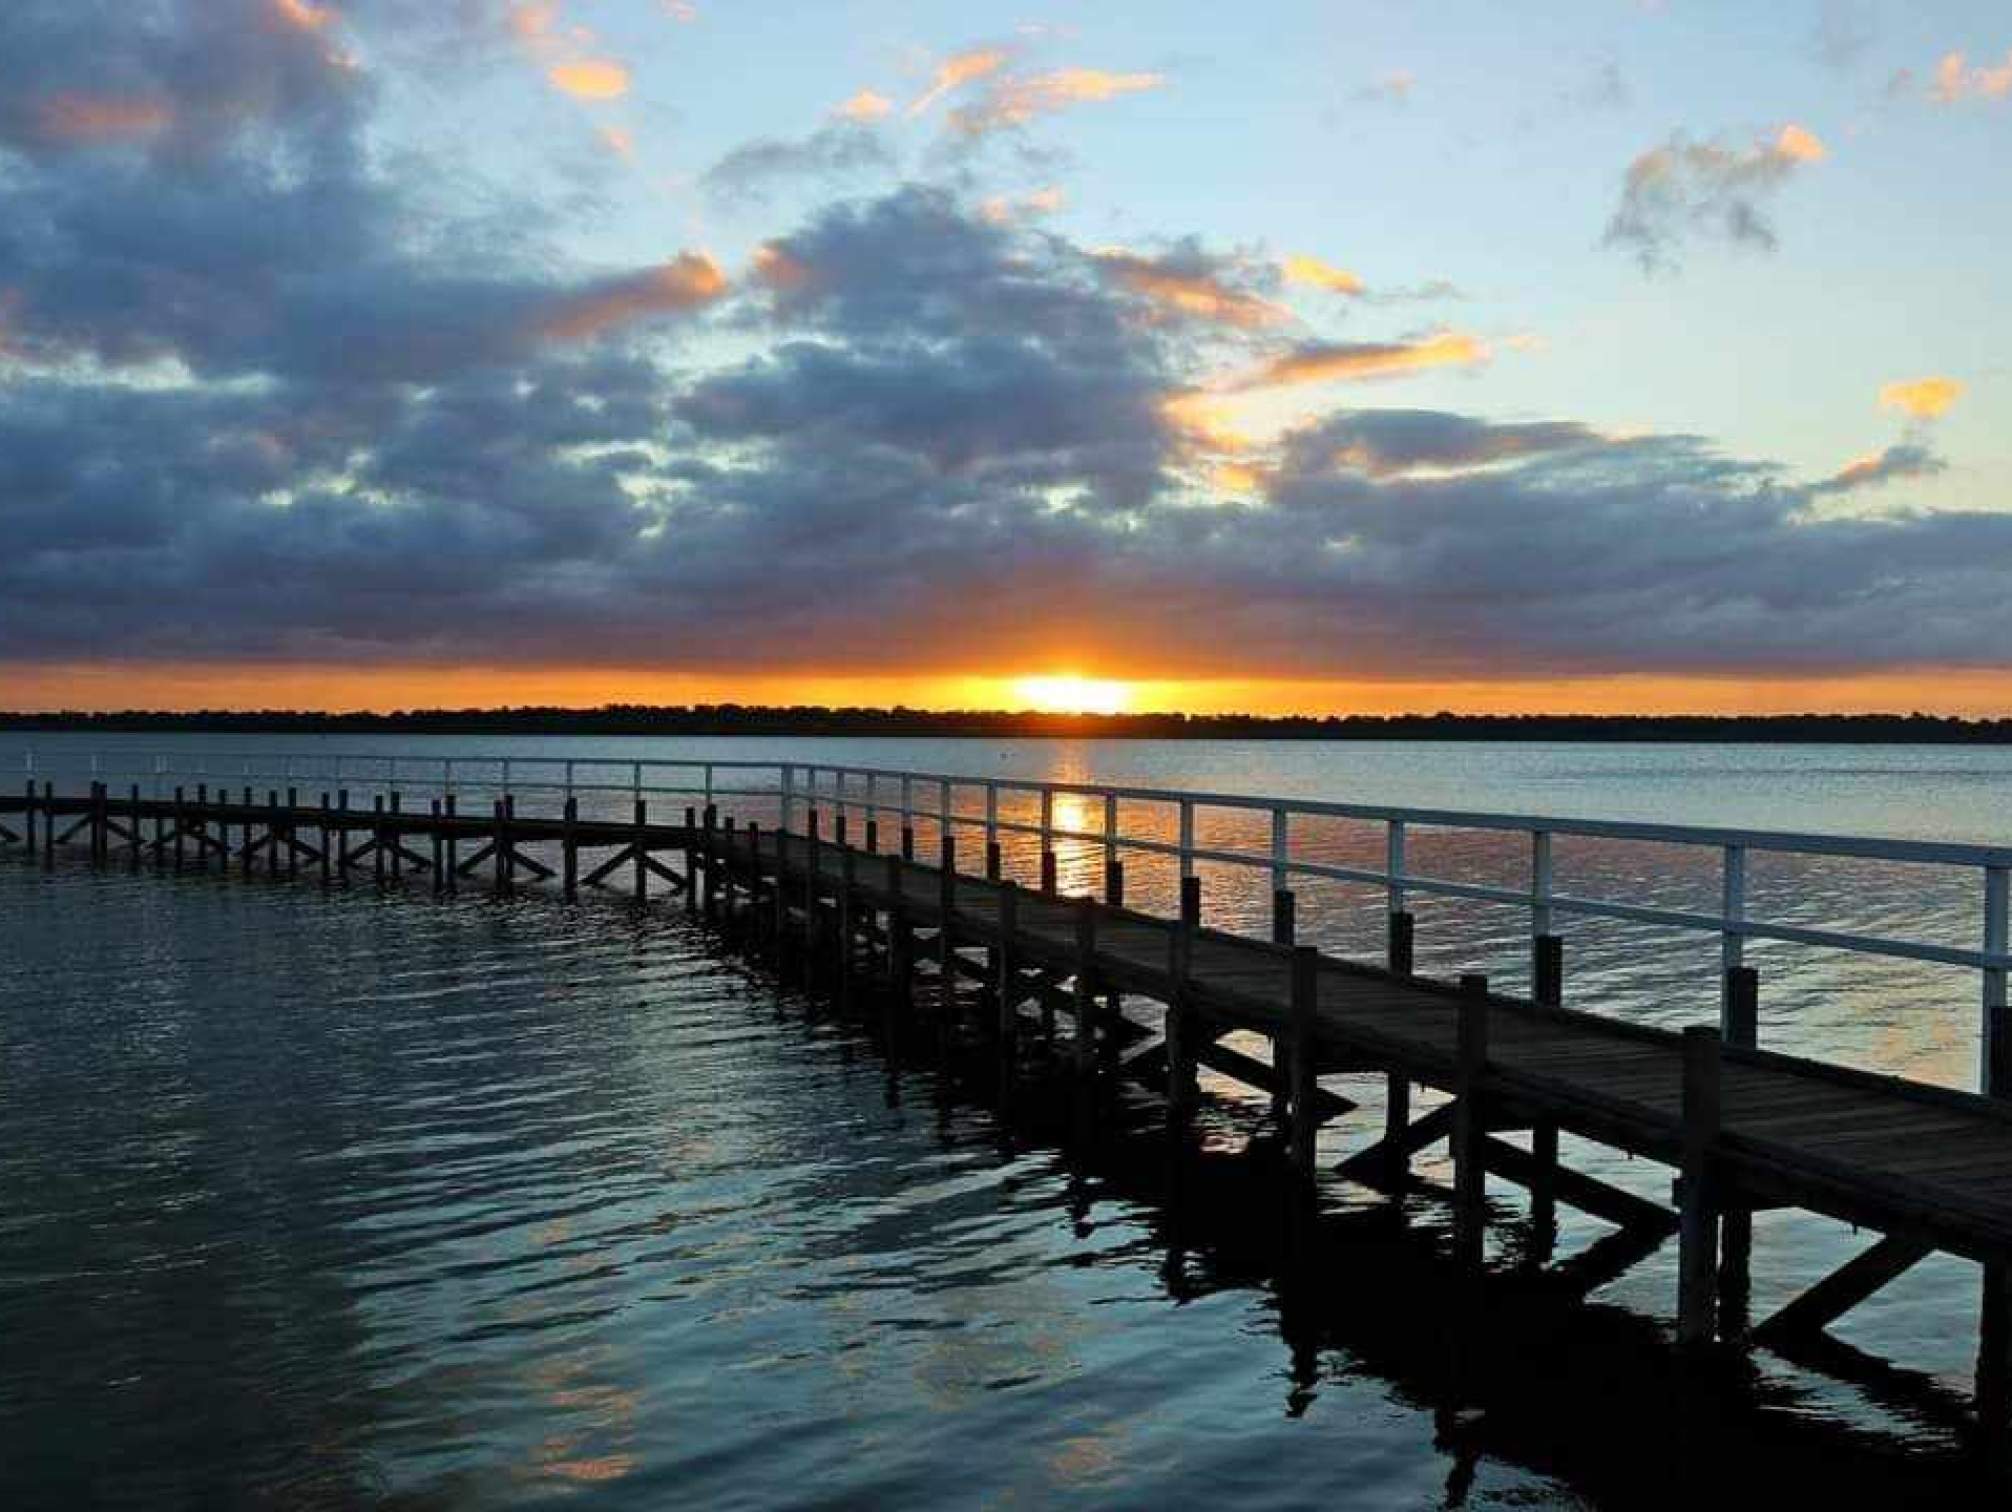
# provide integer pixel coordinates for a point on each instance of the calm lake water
(327, 1198)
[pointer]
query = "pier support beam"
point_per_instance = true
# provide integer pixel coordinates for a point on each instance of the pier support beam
(1698, 1215)
(1470, 1171)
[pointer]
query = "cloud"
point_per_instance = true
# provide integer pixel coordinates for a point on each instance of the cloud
(841, 149)
(1685, 188)
(92, 120)
(1355, 361)
(687, 282)
(1921, 398)
(1906, 460)
(1399, 442)
(1016, 99)
(958, 70)
(590, 78)
(1001, 209)
(1842, 34)
(867, 105)
(1301, 269)
(1956, 80)
(1187, 284)
(304, 14)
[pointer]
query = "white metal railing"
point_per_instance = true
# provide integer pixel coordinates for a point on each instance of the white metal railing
(880, 791)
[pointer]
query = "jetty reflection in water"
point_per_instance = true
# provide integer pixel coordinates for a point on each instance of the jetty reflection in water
(325, 1198)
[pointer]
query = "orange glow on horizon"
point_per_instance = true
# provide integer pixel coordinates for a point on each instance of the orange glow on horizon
(112, 686)
(1068, 694)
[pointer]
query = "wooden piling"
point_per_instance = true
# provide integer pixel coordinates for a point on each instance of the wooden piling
(691, 858)
(1284, 916)
(1006, 972)
(133, 843)
(1469, 1127)
(1739, 1025)
(1182, 1093)
(946, 932)
(1086, 978)
(992, 860)
(181, 825)
(1400, 940)
(452, 839)
(1547, 969)
(1114, 883)
(326, 842)
(1300, 1066)
(435, 851)
(642, 848)
(719, 869)
(1698, 1210)
(28, 816)
(1048, 883)
(378, 837)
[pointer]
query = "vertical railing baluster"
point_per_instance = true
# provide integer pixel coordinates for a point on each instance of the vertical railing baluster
(1187, 838)
(1732, 912)
(1997, 1029)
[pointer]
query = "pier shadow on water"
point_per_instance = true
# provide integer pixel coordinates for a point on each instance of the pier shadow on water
(323, 1199)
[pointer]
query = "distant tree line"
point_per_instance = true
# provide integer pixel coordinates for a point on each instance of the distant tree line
(751, 719)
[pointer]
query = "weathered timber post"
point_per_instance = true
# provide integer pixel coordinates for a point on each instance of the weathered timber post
(245, 836)
(992, 860)
(272, 829)
(100, 825)
(691, 858)
(642, 848)
(181, 822)
(377, 837)
(719, 869)
(1006, 971)
(1739, 1025)
(946, 934)
(1181, 1089)
(452, 841)
(1086, 982)
(1698, 1216)
(1547, 969)
(1401, 945)
(203, 826)
(907, 840)
(1114, 883)
(500, 845)
(1547, 986)
(872, 836)
(1470, 1177)
(324, 837)
(1300, 1065)
(1284, 930)
(133, 827)
(848, 905)
(342, 821)
(1994, 1331)
(898, 936)
(48, 825)
(506, 853)
(719, 859)
(780, 896)
(28, 815)
(435, 850)
(812, 845)
(1048, 882)
(292, 855)
(395, 836)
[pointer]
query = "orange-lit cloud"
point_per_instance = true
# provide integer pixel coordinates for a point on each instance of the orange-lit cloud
(590, 79)
(1800, 144)
(777, 269)
(1016, 101)
(1301, 269)
(1001, 209)
(1205, 421)
(1352, 361)
(304, 14)
(619, 140)
(534, 19)
(1190, 293)
(867, 105)
(1955, 80)
(1922, 398)
(684, 283)
(88, 119)
(957, 70)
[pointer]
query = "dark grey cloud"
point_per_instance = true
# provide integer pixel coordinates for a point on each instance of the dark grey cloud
(1683, 189)
(260, 403)
(834, 152)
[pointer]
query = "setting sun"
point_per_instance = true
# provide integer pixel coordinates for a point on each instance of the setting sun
(1073, 695)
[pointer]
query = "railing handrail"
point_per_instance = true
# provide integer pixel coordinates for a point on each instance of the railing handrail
(1796, 842)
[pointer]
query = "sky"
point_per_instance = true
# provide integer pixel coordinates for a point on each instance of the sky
(1371, 356)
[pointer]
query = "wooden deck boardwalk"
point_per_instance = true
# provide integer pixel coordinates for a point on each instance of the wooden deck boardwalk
(1117, 991)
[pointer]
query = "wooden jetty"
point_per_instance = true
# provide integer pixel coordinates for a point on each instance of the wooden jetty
(1111, 991)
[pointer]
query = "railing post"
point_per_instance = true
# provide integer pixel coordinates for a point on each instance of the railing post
(641, 843)
(943, 807)
(1732, 910)
(907, 817)
(788, 798)
(1284, 912)
(1187, 837)
(872, 816)
(1547, 949)
(1401, 948)
(1997, 1051)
